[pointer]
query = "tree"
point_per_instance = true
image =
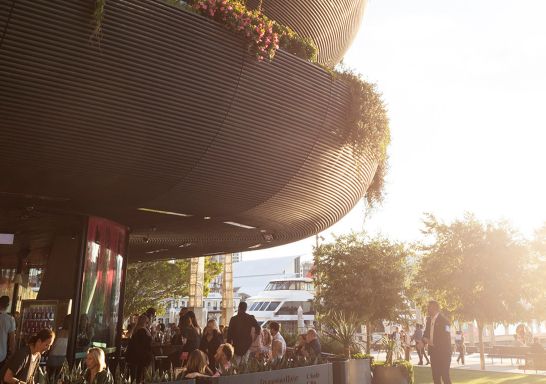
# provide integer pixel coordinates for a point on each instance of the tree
(362, 277)
(475, 270)
(149, 284)
(536, 283)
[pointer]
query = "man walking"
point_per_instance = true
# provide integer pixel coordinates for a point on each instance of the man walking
(7, 331)
(239, 332)
(419, 344)
(438, 337)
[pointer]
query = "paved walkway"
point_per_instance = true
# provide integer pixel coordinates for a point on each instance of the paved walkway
(472, 362)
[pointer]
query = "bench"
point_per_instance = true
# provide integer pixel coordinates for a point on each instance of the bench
(536, 361)
(508, 352)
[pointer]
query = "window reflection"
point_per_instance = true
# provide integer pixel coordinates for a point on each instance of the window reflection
(101, 290)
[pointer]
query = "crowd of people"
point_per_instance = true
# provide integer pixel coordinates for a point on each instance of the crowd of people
(214, 350)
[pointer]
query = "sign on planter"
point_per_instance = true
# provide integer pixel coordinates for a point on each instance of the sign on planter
(314, 374)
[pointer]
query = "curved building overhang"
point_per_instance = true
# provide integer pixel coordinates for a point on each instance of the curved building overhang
(168, 113)
(331, 24)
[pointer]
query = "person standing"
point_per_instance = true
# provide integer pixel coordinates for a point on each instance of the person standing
(459, 344)
(210, 341)
(438, 337)
(420, 344)
(7, 331)
(239, 332)
(139, 351)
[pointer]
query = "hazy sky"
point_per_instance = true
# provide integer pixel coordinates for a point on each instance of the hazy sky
(465, 86)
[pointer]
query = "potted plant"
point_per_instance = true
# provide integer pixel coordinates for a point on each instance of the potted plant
(343, 329)
(392, 371)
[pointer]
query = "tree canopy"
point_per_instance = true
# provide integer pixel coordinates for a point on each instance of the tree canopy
(477, 271)
(149, 284)
(362, 277)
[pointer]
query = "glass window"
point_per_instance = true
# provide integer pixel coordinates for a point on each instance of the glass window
(273, 305)
(263, 306)
(101, 284)
(269, 287)
(291, 308)
(253, 306)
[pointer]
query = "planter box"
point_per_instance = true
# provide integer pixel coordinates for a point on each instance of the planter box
(314, 374)
(389, 375)
(353, 371)
(185, 381)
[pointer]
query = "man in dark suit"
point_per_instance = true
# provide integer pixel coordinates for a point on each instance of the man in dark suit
(438, 337)
(239, 332)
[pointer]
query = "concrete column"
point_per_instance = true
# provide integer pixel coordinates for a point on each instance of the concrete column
(227, 289)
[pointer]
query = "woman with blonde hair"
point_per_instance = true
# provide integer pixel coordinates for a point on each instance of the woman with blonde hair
(267, 340)
(96, 372)
(197, 365)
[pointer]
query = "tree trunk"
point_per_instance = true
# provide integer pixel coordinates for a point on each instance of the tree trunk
(368, 337)
(480, 339)
(347, 351)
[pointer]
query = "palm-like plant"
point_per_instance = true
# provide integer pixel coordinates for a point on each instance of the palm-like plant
(343, 328)
(392, 348)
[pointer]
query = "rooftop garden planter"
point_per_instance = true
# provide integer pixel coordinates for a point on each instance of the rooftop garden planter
(317, 374)
(349, 371)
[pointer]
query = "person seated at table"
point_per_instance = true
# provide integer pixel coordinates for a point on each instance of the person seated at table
(312, 345)
(197, 365)
(223, 357)
(299, 348)
(96, 372)
(21, 367)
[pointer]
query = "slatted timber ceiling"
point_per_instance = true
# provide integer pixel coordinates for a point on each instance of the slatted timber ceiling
(331, 24)
(168, 112)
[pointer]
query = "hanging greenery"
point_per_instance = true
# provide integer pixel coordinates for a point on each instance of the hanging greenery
(367, 130)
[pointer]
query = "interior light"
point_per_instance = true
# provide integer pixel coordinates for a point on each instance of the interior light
(239, 225)
(157, 251)
(184, 245)
(255, 246)
(206, 217)
(7, 238)
(164, 212)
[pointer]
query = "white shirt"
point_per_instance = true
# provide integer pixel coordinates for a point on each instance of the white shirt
(279, 337)
(432, 322)
(7, 325)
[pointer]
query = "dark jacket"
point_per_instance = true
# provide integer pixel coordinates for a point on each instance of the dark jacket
(442, 336)
(19, 364)
(139, 350)
(102, 377)
(210, 347)
(193, 339)
(239, 332)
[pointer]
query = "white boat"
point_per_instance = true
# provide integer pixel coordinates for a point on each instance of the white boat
(280, 302)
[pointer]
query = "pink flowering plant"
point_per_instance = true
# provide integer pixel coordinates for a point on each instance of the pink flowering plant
(257, 29)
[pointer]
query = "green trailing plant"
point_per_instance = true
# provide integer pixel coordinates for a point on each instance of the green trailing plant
(291, 42)
(367, 130)
(343, 328)
(363, 356)
(98, 16)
